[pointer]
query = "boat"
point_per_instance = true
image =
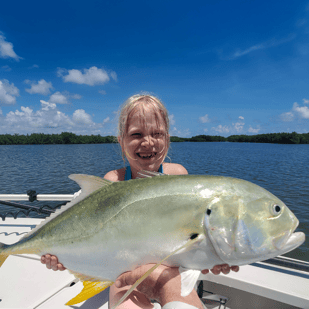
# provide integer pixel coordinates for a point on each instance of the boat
(280, 282)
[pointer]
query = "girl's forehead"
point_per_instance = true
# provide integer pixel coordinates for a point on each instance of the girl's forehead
(145, 119)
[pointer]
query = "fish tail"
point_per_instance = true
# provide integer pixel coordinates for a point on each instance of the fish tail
(3, 256)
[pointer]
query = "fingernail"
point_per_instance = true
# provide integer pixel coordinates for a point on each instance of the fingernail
(117, 284)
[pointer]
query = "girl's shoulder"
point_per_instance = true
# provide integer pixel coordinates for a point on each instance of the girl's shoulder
(116, 175)
(174, 169)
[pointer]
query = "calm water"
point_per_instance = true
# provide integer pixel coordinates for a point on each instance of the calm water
(281, 169)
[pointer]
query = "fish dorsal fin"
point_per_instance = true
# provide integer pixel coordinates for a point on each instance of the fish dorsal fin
(185, 247)
(90, 289)
(148, 174)
(88, 184)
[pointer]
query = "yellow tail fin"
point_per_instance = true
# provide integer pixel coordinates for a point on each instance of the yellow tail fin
(3, 256)
(90, 289)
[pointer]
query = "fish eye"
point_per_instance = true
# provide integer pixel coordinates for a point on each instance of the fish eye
(276, 209)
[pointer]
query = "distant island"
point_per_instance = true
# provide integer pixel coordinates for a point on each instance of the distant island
(71, 138)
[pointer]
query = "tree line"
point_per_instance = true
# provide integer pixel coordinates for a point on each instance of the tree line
(71, 138)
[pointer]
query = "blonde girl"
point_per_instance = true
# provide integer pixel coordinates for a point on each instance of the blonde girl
(143, 134)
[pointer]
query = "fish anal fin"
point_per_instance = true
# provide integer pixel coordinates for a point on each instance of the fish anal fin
(83, 277)
(187, 245)
(90, 289)
(89, 183)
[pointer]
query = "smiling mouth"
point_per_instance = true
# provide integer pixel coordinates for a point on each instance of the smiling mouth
(146, 156)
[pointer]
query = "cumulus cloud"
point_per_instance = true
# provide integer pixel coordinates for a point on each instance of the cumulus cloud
(238, 126)
(252, 130)
(221, 129)
(301, 111)
(81, 117)
(63, 98)
(204, 119)
(58, 98)
(297, 111)
(27, 120)
(92, 76)
(306, 101)
(241, 117)
(6, 49)
(8, 92)
(41, 87)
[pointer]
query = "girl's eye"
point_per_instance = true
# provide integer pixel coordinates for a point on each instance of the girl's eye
(158, 134)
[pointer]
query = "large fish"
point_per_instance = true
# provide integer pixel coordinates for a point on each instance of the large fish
(195, 222)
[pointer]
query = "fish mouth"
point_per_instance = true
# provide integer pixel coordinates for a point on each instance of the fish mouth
(145, 155)
(289, 241)
(294, 241)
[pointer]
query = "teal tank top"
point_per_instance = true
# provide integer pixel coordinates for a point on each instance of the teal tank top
(128, 174)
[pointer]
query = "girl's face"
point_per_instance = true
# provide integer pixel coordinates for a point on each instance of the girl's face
(145, 143)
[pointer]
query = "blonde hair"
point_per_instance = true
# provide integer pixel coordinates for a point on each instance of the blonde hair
(140, 102)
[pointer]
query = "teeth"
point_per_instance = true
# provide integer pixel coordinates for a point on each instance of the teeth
(146, 156)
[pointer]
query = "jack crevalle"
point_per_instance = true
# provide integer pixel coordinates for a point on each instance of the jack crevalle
(195, 222)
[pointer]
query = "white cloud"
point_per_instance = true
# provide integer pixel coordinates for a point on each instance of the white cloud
(102, 92)
(302, 111)
(238, 126)
(172, 119)
(58, 98)
(265, 45)
(221, 129)
(80, 117)
(92, 76)
(255, 131)
(42, 87)
(106, 120)
(35, 66)
(287, 117)
(204, 119)
(27, 120)
(8, 92)
(6, 49)
(241, 117)
(63, 98)
(113, 75)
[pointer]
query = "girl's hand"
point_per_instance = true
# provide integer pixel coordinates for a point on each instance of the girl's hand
(52, 262)
(224, 268)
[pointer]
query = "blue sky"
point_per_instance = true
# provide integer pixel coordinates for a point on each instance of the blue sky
(220, 67)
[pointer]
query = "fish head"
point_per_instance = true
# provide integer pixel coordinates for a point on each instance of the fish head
(246, 228)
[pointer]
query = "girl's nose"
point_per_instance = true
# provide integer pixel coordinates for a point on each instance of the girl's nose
(148, 140)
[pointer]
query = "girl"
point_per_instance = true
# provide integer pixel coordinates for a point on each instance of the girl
(143, 134)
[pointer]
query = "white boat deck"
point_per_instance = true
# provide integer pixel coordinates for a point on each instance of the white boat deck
(26, 283)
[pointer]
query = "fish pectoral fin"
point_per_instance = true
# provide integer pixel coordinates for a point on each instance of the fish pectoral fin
(189, 278)
(89, 183)
(90, 289)
(187, 245)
